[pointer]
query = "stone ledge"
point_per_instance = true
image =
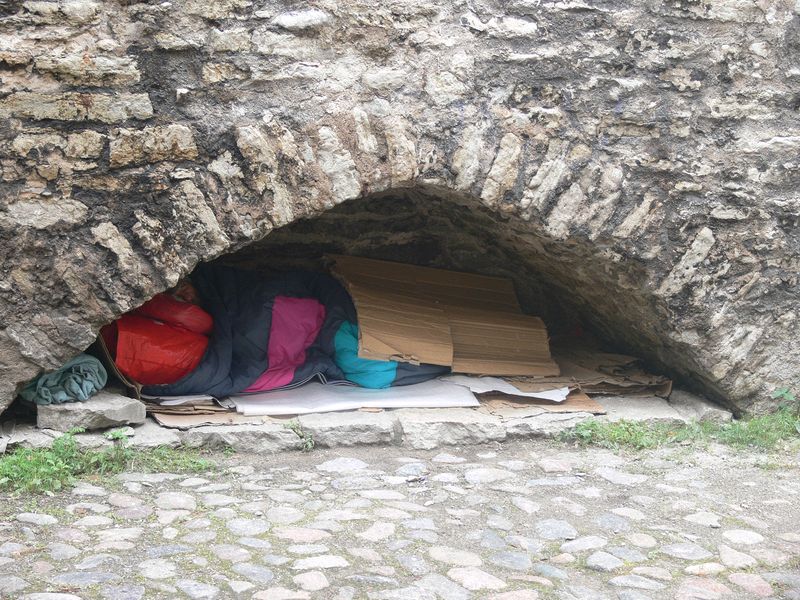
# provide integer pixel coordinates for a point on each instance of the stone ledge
(419, 429)
(101, 411)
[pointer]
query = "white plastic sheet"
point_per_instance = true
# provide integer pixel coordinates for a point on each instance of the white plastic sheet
(317, 398)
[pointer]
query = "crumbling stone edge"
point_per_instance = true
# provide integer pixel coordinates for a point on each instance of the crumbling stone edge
(415, 429)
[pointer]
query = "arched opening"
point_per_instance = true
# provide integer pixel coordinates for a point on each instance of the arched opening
(582, 294)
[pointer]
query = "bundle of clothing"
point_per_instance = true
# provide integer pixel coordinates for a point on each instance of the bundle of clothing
(249, 333)
(76, 381)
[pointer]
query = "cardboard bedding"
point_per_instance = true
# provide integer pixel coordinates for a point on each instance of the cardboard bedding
(422, 322)
(290, 403)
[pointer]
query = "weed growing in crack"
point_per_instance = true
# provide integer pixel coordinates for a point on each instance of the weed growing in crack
(228, 451)
(790, 400)
(306, 439)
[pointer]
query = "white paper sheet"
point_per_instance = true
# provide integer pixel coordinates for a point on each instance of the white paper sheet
(178, 400)
(317, 398)
(483, 385)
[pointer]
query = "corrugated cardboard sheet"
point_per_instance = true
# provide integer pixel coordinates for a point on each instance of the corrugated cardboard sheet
(188, 421)
(577, 401)
(472, 323)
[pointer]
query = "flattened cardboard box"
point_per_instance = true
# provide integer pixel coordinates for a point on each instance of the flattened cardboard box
(471, 323)
(597, 372)
(505, 404)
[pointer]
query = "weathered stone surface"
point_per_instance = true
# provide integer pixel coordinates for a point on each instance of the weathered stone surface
(645, 179)
(640, 409)
(694, 407)
(603, 561)
(42, 213)
(104, 409)
(543, 425)
(71, 106)
(151, 435)
(349, 428)
(244, 438)
(151, 144)
(89, 70)
(429, 428)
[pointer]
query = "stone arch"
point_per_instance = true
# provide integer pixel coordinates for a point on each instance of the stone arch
(143, 138)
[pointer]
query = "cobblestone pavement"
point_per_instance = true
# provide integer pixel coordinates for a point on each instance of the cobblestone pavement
(516, 521)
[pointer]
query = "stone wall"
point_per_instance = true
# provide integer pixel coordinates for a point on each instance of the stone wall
(645, 153)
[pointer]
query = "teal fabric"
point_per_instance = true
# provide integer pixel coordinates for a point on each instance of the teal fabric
(76, 381)
(367, 373)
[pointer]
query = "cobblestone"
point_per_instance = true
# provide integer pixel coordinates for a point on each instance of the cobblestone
(665, 524)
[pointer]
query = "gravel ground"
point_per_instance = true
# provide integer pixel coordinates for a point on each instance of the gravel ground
(515, 521)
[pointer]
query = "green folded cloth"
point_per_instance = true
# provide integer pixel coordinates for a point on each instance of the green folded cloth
(76, 381)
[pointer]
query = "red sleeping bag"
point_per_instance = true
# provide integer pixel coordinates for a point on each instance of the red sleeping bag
(161, 341)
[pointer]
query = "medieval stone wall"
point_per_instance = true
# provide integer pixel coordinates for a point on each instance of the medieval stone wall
(644, 153)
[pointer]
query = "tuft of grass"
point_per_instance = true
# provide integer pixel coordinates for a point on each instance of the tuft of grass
(47, 470)
(172, 460)
(764, 431)
(620, 434)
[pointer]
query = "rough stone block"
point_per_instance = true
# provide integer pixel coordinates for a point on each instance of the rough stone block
(544, 425)
(351, 428)
(219, 9)
(82, 144)
(74, 106)
(151, 435)
(27, 436)
(243, 438)
(92, 440)
(26, 142)
(298, 20)
(90, 70)
(79, 11)
(694, 407)
(427, 428)
(229, 40)
(174, 142)
(104, 409)
(651, 409)
(41, 213)
(85, 144)
(216, 72)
